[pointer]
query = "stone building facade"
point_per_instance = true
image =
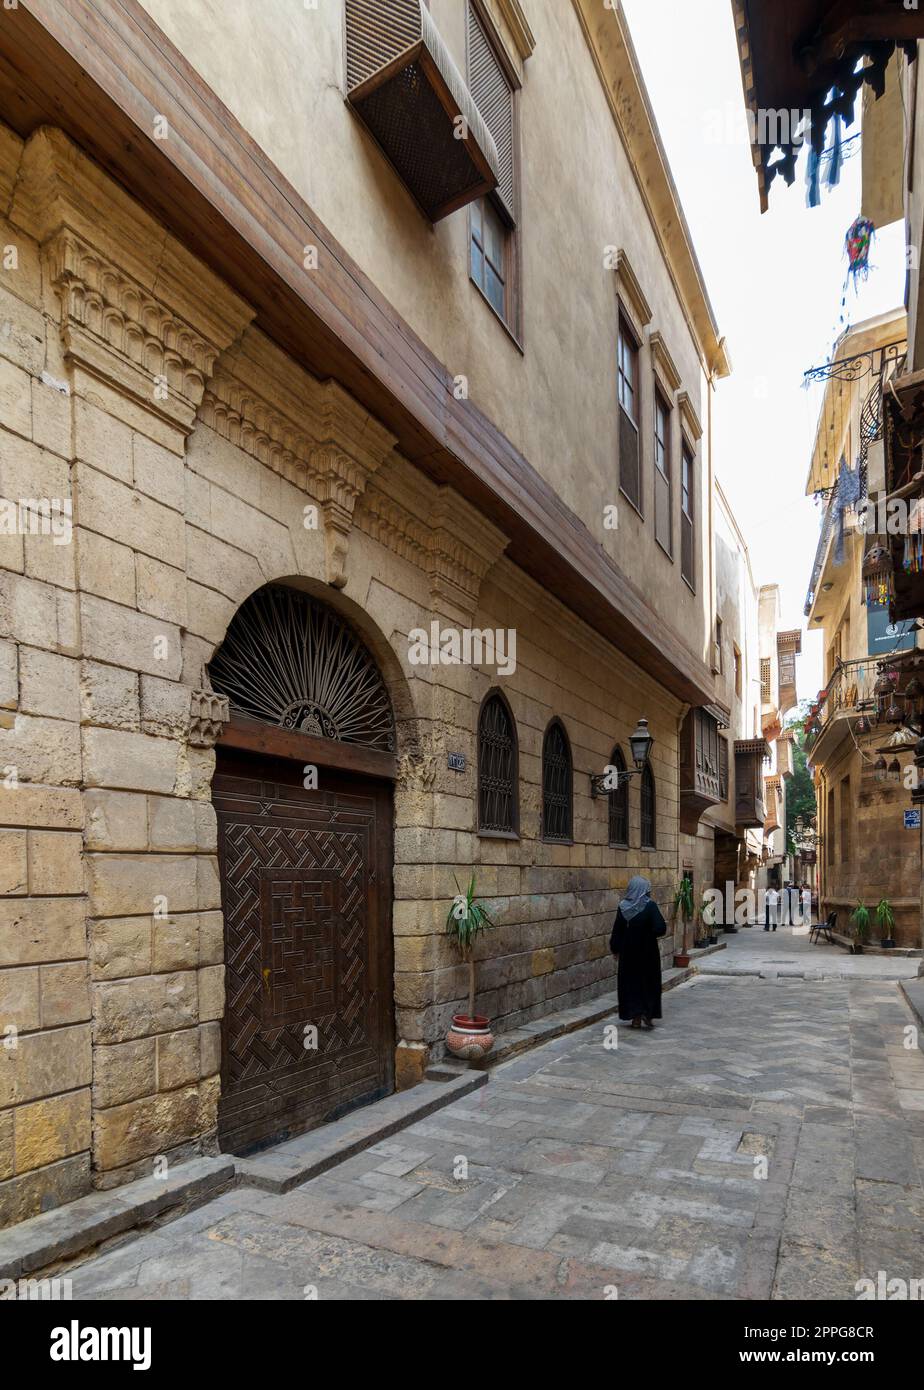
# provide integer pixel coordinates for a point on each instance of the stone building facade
(857, 755)
(199, 862)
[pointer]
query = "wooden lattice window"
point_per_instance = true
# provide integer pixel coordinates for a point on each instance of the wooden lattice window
(619, 803)
(723, 768)
(291, 661)
(649, 810)
(765, 680)
(557, 815)
(497, 767)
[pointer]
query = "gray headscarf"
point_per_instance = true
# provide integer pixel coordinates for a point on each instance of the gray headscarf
(638, 896)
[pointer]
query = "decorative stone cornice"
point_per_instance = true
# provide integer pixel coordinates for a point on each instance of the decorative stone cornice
(514, 17)
(631, 291)
(691, 420)
(137, 310)
(664, 363)
(330, 451)
(463, 547)
(208, 714)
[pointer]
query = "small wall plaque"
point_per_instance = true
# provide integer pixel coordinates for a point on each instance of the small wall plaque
(455, 762)
(912, 820)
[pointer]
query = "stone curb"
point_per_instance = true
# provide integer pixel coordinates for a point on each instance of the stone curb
(913, 990)
(293, 1162)
(79, 1226)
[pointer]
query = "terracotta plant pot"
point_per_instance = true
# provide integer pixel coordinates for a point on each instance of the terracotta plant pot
(469, 1038)
(681, 961)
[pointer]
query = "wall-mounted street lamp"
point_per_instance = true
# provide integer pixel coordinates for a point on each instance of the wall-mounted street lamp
(640, 745)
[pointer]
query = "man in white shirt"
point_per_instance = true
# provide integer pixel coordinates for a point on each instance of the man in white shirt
(773, 910)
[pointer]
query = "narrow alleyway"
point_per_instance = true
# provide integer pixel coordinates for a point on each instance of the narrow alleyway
(583, 1170)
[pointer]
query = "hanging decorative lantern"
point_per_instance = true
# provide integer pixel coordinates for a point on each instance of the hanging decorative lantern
(914, 689)
(880, 767)
(863, 725)
(895, 771)
(859, 242)
(894, 714)
(878, 580)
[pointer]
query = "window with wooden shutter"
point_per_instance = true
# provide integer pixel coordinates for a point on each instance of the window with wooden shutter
(630, 474)
(494, 219)
(765, 680)
(662, 477)
(723, 768)
(688, 516)
(494, 95)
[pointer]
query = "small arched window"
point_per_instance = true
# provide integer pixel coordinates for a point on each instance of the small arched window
(557, 819)
(649, 814)
(619, 803)
(497, 767)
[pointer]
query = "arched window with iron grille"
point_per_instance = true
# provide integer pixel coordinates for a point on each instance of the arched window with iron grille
(619, 803)
(557, 815)
(498, 810)
(649, 810)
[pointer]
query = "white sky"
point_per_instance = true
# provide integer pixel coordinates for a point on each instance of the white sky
(776, 284)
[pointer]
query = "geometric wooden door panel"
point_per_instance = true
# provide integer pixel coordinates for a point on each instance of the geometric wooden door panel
(308, 1031)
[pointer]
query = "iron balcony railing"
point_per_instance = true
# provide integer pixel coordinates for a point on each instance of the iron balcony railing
(851, 690)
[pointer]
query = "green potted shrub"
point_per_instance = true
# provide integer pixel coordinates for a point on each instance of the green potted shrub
(885, 920)
(470, 1035)
(684, 908)
(860, 919)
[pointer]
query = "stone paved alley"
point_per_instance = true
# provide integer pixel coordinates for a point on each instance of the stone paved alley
(590, 1170)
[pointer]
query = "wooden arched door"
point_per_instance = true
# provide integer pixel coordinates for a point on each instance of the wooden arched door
(305, 854)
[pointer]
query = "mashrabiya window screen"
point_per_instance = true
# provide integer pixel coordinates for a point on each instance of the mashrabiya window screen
(497, 768)
(494, 96)
(556, 785)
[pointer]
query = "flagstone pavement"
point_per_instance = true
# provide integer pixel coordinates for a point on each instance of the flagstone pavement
(765, 1141)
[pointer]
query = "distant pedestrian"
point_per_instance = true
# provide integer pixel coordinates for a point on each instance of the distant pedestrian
(806, 907)
(772, 910)
(634, 942)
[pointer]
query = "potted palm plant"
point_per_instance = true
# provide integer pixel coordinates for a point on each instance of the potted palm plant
(885, 920)
(684, 908)
(470, 1035)
(860, 919)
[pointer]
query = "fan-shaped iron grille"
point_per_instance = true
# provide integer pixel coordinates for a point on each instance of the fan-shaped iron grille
(290, 661)
(556, 785)
(497, 768)
(619, 802)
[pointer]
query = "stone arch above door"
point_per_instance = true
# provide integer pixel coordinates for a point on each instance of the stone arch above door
(294, 662)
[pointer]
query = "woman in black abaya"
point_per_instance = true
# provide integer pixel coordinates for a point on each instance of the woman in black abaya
(635, 944)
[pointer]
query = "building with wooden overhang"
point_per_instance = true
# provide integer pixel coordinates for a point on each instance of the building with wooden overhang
(732, 779)
(803, 64)
(326, 329)
(858, 742)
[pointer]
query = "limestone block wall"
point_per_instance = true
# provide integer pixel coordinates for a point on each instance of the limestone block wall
(883, 859)
(182, 462)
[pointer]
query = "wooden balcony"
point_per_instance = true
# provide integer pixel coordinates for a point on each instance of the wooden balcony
(750, 813)
(700, 768)
(411, 97)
